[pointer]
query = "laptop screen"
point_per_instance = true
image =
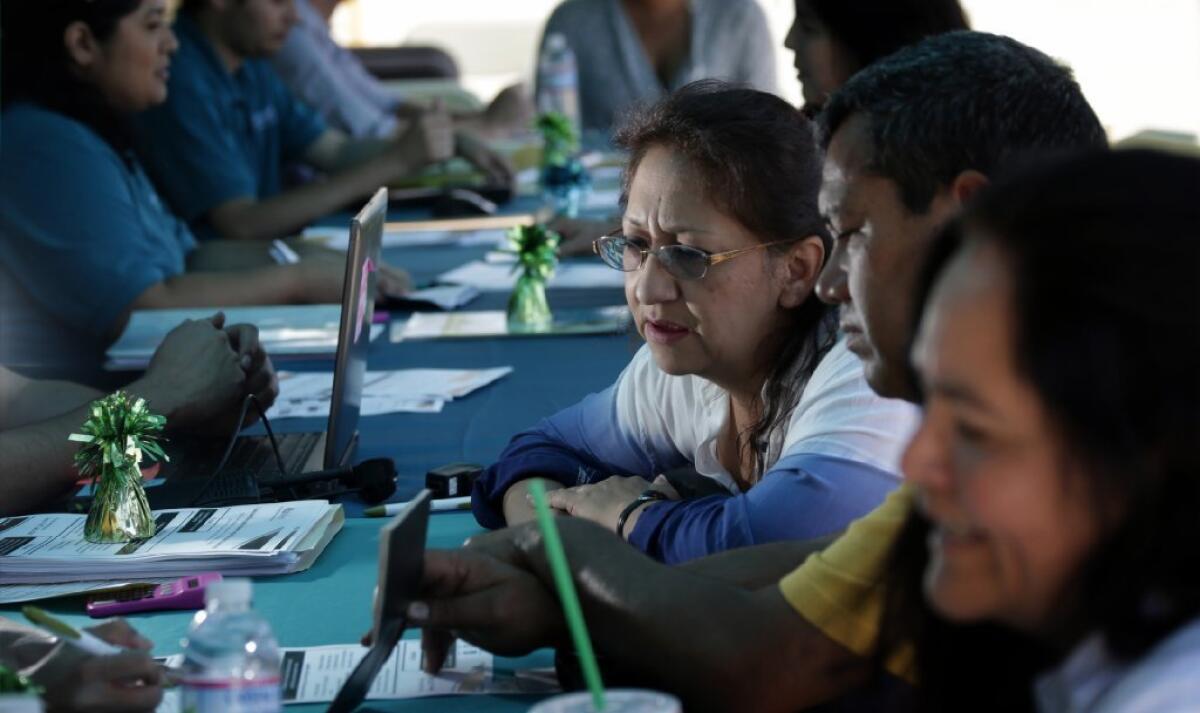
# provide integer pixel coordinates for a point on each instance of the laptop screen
(354, 333)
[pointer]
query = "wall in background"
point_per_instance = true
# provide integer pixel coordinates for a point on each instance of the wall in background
(1138, 63)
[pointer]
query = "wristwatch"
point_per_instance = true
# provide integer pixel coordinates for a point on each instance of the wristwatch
(648, 495)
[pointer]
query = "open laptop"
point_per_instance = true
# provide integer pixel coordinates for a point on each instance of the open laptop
(190, 477)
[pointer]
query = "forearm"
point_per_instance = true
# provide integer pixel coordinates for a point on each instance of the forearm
(719, 646)
(517, 509)
(756, 567)
(26, 401)
(37, 461)
(288, 212)
(268, 285)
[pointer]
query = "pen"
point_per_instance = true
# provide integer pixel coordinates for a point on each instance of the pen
(84, 640)
(440, 505)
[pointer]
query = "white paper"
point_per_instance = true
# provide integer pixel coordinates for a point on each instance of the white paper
(271, 538)
(14, 593)
(283, 330)
(315, 674)
(494, 323)
(339, 238)
(445, 296)
(499, 277)
(398, 391)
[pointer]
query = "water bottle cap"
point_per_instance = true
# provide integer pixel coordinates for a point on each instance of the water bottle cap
(237, 590)
(556, 41)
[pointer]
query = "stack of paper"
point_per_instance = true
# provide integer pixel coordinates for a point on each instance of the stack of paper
(339, 238)
(274, 538)
(494, 323)
(315, 674)
(307, 395)
(499, 277)
(284, 330)
(13, 593)
(444, 297)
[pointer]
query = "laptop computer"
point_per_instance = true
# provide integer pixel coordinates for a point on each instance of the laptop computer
(190, 474)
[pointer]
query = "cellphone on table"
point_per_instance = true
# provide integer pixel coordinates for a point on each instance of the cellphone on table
(183, 593)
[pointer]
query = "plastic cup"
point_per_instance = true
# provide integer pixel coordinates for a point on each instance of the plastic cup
(616, 700)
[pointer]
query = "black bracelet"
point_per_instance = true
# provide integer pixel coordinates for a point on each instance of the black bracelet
(647, 496)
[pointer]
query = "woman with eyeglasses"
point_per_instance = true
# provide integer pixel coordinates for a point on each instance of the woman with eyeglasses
(743, 390)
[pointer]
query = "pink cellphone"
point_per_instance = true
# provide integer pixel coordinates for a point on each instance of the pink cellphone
(183, 593)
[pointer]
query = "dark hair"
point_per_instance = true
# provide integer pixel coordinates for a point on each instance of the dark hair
(872, 29)
(1103, 251)
(755, 156)
(36, 66)
(958, 101)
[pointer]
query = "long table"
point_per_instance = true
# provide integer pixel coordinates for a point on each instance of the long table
(331, 602)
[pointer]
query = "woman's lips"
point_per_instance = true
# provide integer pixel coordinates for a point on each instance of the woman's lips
(661, 331)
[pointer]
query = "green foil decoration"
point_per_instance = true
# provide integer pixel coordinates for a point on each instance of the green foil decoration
(536, 249)
(13, 682)
(115, 437)
(560, 142)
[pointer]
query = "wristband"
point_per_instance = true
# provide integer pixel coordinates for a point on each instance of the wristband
(649, 495)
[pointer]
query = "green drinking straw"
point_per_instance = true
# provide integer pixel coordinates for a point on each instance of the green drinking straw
(566, 592)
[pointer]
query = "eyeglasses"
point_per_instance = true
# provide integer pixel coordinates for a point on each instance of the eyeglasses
(683, 262)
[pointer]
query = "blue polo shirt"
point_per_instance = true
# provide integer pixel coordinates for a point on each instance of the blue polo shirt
(82, 234)
(221, 136)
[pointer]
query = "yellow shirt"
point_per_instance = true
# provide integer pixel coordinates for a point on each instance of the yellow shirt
(840, 589)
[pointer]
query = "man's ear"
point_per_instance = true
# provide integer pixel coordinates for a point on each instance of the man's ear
(81, 44)
(966, 184)
(800, 268)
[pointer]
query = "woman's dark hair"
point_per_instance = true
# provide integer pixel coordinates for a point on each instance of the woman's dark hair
(872, 29)
(36, 66)
(1103, 251)
(756, 158)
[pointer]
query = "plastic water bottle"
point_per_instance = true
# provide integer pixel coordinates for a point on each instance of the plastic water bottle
(231, 659)
(558, 79)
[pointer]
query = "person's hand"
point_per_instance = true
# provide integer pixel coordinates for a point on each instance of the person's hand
(260, 373)
(195, 377)
(494, 166)
(118, 632)
(601, 502)
(392, 281)
(127, 681)
(489, 603)
(511, 110)
(428, 139)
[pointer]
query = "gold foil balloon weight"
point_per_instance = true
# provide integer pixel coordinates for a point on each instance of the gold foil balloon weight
(116, 436)
(536, 250)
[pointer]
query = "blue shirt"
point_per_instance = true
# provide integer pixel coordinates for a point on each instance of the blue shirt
(836, 461)
(221, 136)
(82, 234)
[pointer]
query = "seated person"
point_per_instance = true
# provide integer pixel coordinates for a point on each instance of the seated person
(75, 681)
(1055, 471)
(631, 52)
(767, 633)
(833, 39)
(84, 238)
(218, 146)
(198, 378)
(1056, 556)
(743, 376)
(334, 82)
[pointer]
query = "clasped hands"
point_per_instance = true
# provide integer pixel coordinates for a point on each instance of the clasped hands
(603, 502)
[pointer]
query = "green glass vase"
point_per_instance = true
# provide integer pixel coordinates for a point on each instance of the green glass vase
(119, 511)
(528, 310)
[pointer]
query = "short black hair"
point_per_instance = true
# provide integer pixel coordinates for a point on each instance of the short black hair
(872, 29)
(960, 101)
